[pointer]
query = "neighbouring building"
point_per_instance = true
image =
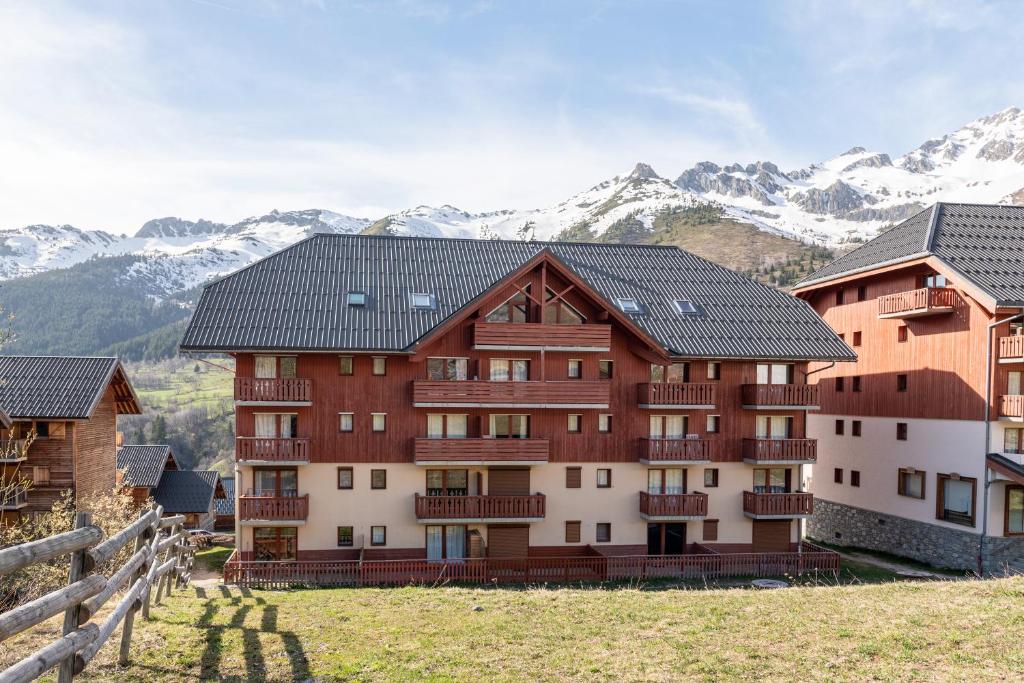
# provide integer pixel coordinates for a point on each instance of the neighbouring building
(441, 399)
(920, 441)
(192, 493)
(226, 506)
(72, 404)
(142, 466)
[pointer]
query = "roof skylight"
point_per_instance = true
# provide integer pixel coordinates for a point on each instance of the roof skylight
(356, 298)
(686, 307)
(422, 300)
(629, 304)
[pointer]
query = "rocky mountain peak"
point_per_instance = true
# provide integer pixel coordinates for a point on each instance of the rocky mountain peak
(643, 171)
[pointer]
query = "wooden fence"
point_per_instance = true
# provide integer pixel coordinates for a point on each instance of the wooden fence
(159, 559)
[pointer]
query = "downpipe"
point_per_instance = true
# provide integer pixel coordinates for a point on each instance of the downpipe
(801, 524)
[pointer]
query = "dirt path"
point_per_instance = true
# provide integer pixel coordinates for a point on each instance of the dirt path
(907, 570)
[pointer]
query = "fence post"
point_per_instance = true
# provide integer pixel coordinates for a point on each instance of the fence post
(67, 667)
(154, 562)
(129, 618)
(165, 580)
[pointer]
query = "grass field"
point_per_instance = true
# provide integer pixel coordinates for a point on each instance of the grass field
(924, 631)
(176, 383)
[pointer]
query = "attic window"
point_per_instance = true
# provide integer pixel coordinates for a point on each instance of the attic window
(420, 300)
(685, 307)
(629, 305)
(357, 298)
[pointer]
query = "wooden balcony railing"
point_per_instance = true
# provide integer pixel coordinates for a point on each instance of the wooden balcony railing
(1011, 406)
(676, 395)
(537, 336)
(260, 390)
(1011, 348)
(780, 396)
(780, 450)
(678, 450)
(271, 450)
(273, 508)
(917, 302)
(467, 451)
(779, 505)
(676, 505)
(480, 507)
(480, 393)
(12, 500)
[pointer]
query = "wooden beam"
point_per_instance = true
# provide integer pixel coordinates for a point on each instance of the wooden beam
(41, 661)
(31, 613)
(17, 557)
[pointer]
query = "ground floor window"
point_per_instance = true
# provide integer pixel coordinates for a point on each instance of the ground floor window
(1015, 509)
(446, 542)
(955, 501)
(275, 544)
(911, 483)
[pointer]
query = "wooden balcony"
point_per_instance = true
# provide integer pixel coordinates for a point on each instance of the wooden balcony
(487, 394)
(263, 510)
(669, 507)
(917, 302)
(14, 500)
(14, 451)
(780, 451)
(541, 337)
(678, 451)
(253, 391)
(780, 396)
(777, 505)
(253, 450)
(480, 451)
(466, 509)
(1011, 407)
(1011, 349)
(676, 395)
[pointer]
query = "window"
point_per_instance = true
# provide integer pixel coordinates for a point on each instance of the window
(420, 300)
(856, 338)
(289, 367)
(575, 370)
(345, 365)
(510, 426)
(380, 365)
(604, 532)
(902, 333)
(773, 426)
(447, 482)
(604, 369)
(446, 542)
(711, 477)
(854, 477)
(1013, 441)
(276, 426)
(775, 373)
(910, 483)
(855, 428)
(380, 421)
(40, 475)
(557, 311)
(509, 370)
(839, 297)
(714, 423)
(934, 280)
(771, 480)
(604, 423)
(265, 367)
(42, 430)
(901, 431)
(901, 382)
(357, 298)
(513, 310)
(955, 499)
(1013, 383)
(572, 532)
(862, 293)
(345, 535)
(604, 478)
(628, 305)
(574, 423)
(670, 480)
(345, 422)
(710, 531)
(1014, 525)
(277, 483)
(837, 475)
(840, 424)
(378, 535)
(573, 477)
(344, 477)
(275, 544)
(447, 369)
(669, 426)
(446, 426)
(840, 384)
(714, 369)
(378, 479)
(856, 383)
(685, 307)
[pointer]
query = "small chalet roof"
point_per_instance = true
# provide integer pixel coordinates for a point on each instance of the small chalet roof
(296, 299)
(1006, 467)
(983, 243)
(62, 387)
(184, 491)
(226, 505)
(143, 464)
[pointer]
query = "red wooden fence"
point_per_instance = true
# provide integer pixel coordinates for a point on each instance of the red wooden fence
(480, 507)
(272, 450)
(678, 450)
(783, 450)
(273, 389)
(676, 394)
(780, 394)
(482, 392)
(674, 504)
(273, 507)
(916, 300)
(781, 504)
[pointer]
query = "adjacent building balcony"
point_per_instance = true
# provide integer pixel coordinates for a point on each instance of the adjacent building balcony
(470, 509)
(1011, 349)
(676, 395)
(480, 451)
(780, 451)
(777, 505)
(256, 450)
(780, 396)
(258, 391)
(12, 451)
(541, 337)
(488, 394)
(14, 500)
(917, 302)
(678, 451)
(258, 509)
(673, 507)
(1011, 407)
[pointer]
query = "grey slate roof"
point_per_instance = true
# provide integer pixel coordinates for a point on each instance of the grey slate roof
(54, 387)
(142, 464)
(226, 505)
(182, 491)
(984, 243)
(295, 299)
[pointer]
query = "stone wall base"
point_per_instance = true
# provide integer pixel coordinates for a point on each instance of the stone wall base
(930, 543)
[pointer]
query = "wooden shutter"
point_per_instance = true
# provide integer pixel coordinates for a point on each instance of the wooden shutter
(573, 477)
(710, 530)
(506, 540)
(771, 535)
(572, 532)
(508, 482)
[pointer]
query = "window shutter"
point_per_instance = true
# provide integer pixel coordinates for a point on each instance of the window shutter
(710, 529)
(572, 532)
(573, 477)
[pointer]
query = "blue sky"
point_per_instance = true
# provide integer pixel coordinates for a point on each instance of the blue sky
(116, 112)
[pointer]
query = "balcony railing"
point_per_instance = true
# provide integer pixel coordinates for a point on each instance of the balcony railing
(917, 302)
(480, 507)
(257, 507)
(676, 395)
(12, 500)
(275, 390)
(1011, 406)
(12, 451)
(488, 394)
(673, 505)
(777, 396)
(259, 449)
(1011, 348)
(678, 450)
(538, 336)
(482, 451)
(777, 505)
(796, 451)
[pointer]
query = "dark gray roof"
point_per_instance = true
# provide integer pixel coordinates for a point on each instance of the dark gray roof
(295, 299)
(984, 243)
(182, 491)
(54, 387)
(1007, 466)
(226, 505)
(143, 464)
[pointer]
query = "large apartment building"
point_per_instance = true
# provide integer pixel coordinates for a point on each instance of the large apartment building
(921, 440)
(441, 399)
